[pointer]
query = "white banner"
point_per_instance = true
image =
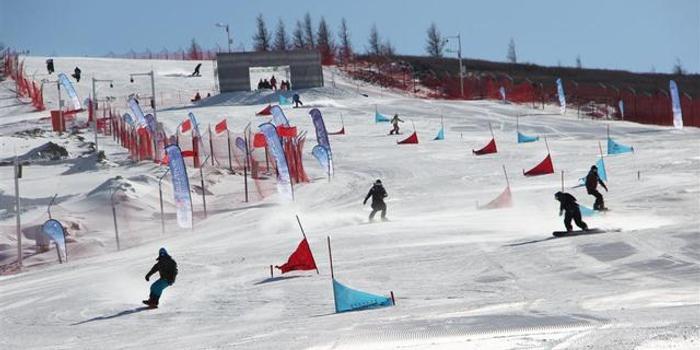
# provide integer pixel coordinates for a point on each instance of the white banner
(562, 98)
(676, 106)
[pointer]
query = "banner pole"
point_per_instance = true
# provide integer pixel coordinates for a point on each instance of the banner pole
(211, 146)
(204, 195)
(562, 180)
(330, 256)
(547, 145)
(17, 211)
(245, 167)
(491, 129)
(506, 175)
(300, 227)
(228, 141)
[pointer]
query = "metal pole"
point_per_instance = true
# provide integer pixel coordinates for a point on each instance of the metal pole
(201, 177)
(459, 55)
(228, 37)
(330, 256)
(245, 166)
(114, 216)
(60, 110)
(153, 94)
(17, 212)
(228, 141)
(48, 209)
(94, 113)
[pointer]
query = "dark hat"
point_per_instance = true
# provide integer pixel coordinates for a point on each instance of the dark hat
(378, 182)
(162, 252)
(594, 167)
(558, 194)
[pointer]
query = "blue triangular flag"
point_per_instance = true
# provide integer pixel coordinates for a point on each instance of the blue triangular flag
(617, 148)
(440, 134)
(379, 118)
(284, 101)
(602, 174)
(586, 211)
(522, 138)
(348, 299)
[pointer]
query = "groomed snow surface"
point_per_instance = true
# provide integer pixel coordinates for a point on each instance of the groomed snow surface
(464, 278)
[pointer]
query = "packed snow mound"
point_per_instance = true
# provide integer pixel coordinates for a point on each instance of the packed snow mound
(132, 187)
(47, 151)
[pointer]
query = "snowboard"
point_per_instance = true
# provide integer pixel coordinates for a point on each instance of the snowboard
(582, 232)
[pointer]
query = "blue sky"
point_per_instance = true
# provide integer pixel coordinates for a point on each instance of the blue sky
(616, 34)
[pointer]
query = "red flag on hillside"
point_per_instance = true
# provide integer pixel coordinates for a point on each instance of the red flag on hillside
(265, 111)
(186, 125)
(259, 140)
(301, 259)
(545, 167)
(488, 149)
(221, 127)
(413, 139)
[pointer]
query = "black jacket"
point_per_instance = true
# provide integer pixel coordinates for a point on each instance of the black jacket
(592, 181)
(568, 202)
(378, 193)
(167, 267)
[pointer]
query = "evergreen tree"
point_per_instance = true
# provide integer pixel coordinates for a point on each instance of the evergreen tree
(325, 43)
(261, 39)
(344, 37)
(309, 38)
(511, 56)
(298, 37)
(578, 62)
(281, 37)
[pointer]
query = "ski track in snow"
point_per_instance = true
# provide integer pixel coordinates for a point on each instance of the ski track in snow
(464, 278)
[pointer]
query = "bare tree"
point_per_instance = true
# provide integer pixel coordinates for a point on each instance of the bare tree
(261, 39)
(435, 43)
(678, 67)
(344, 37)
(387, 49)
(375, 45)
(325, 42)
(309, 38)
(298, 37)
(578, 62)
(281, 37)
(511, 56)
(195, 51)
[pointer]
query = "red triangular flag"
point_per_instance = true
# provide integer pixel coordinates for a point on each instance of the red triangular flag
(265, 111)
(301, 259)
(187, 153)
(341, 132)
(488, 149)
(409, 140)
(221, 127)
(186, 125)
(545, 167)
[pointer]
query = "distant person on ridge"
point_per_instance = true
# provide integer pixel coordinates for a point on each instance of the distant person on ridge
(76, 74)
(196, 70)
(273, 83)
(568, 204)
(49, 65)
(592, 181)
(297, 100)
(395, 122)
(378, 193)
(197, 97)
(167, 268)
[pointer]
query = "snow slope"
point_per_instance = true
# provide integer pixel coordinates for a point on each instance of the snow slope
(464, 278)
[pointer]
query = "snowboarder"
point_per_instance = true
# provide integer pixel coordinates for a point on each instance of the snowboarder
(167, 268)
(569, 205)
(76, 74)
(297, 100)
(49, 65)
(196, 70)
(378, 193)
(592, 181)
(395, 122)
(273, 83)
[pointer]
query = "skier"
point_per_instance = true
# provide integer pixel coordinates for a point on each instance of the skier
(592, 181)
(273, 83)
(378, 193)
(196, 70)
(76, 74)
(297, 100)
(569, 205)
(395, 122)
(49, 65)
(167, 268)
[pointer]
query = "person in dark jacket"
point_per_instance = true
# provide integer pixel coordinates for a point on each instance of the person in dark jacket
(167, 268)
(378, 193)
(395, 123)
(273, 83)
(569, 206)
(76, 74)
(49, 65)
(196, 70)
(592, 181)
(297, 100)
